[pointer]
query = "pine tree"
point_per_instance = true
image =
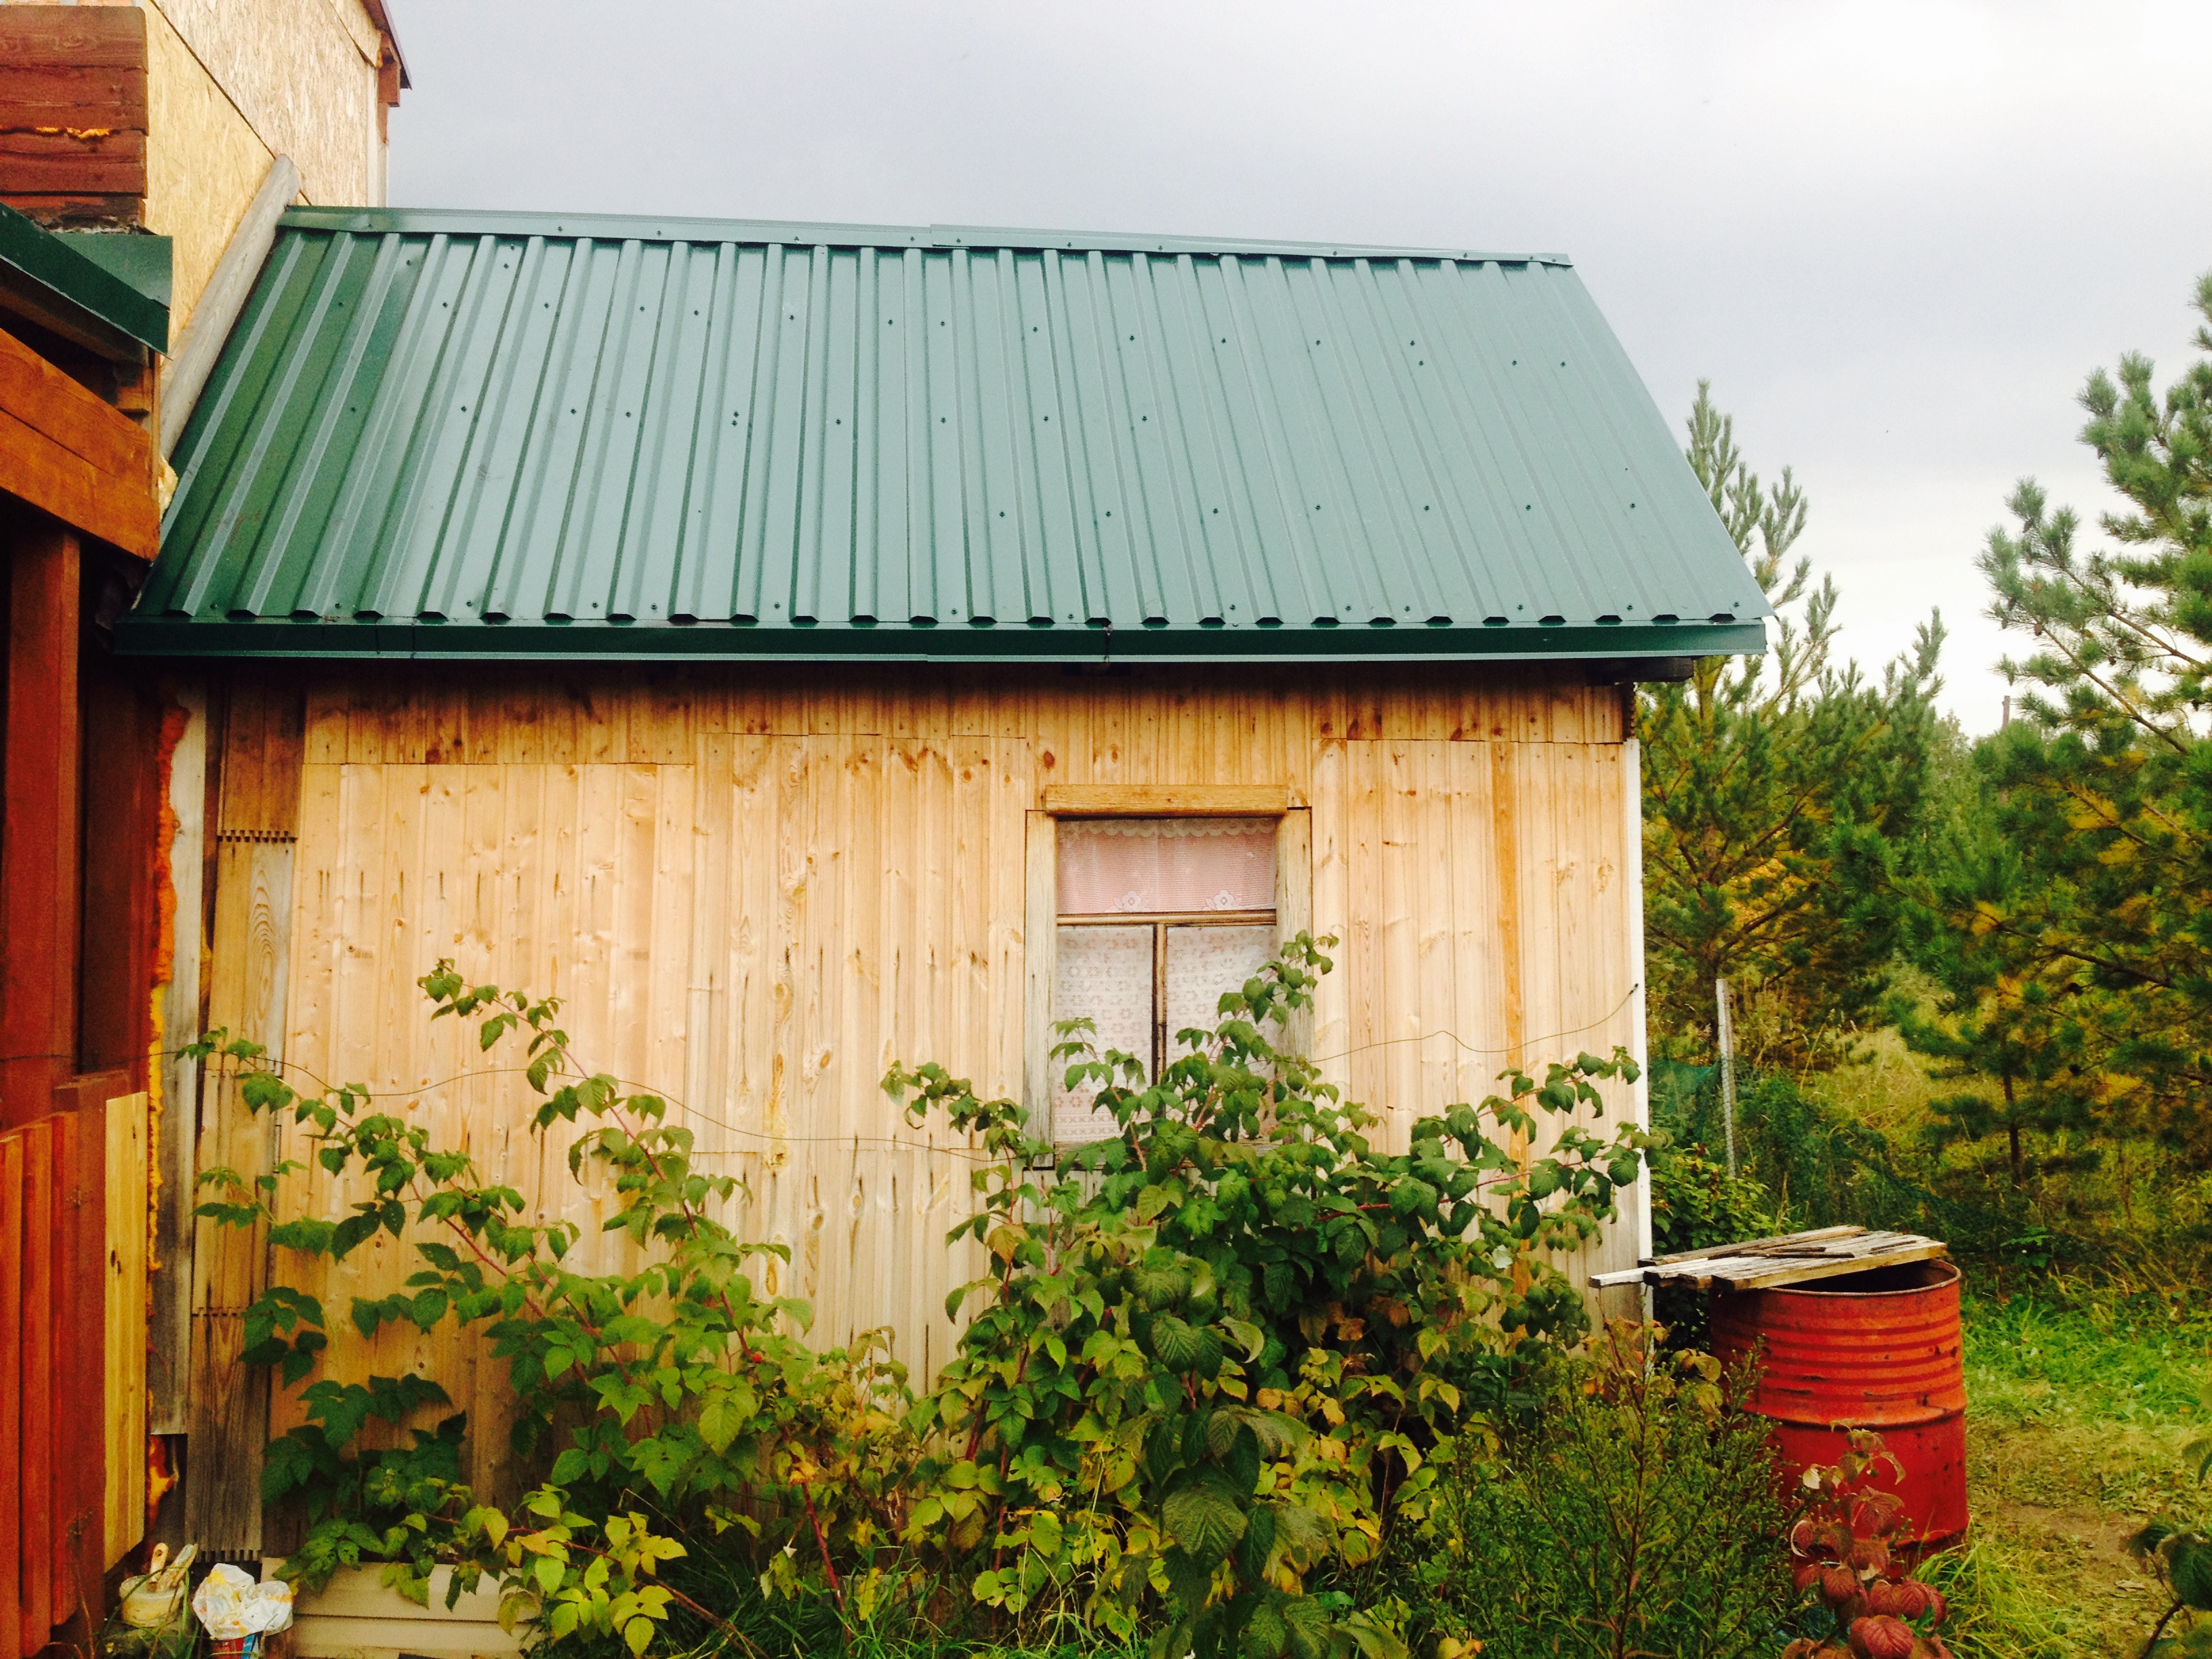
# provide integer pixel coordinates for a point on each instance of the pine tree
(2102, 791)
(1773, 787)
(1993, 1017)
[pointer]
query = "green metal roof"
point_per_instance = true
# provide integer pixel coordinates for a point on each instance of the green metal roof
(469, 435)
(145, 264)
(65, 288)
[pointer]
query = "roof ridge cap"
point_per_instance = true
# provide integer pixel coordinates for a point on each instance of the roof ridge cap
(655, 228)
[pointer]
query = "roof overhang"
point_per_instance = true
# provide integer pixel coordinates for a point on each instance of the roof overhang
(46, 279)
(380, 15)
(1662, 644)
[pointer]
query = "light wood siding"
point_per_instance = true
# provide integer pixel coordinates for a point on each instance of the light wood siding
(756, 890)
(123, 1307)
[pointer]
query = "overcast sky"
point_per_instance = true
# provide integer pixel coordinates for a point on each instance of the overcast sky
(1896, 237)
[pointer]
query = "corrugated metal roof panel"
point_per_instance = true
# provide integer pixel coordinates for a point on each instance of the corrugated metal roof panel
(469, 435)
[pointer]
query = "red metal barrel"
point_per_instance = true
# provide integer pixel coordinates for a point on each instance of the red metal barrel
(1877, 1350)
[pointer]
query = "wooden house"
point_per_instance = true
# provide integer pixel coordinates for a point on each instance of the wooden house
(805, 648)
(145, 150)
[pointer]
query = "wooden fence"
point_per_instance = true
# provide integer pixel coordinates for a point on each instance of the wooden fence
(72, 1375)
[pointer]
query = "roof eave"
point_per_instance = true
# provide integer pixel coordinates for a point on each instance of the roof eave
(62, 289)
(571, 642)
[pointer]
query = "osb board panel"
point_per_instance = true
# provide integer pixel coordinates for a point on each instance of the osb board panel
(202, 167)
(753, 900)
(303, 75)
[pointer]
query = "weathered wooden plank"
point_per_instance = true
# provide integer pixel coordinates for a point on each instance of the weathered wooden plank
(902, 972)
(1406, 1005)
(755, 950)
(43, 472)
(1361, 963)
(39, 779)
(80, 1471)
(251, 947)
(1479, 973)
(124, 1370)
(35, 1597)
(173, 1130)
(1788, 1259)
(73, 118)
(708, 1008)
(1294, 908)
(1753, 1275)
(1506, 828)
(15, 1218)
(1628, 791)
(263, 746)
(1332, 908)
(79, 423)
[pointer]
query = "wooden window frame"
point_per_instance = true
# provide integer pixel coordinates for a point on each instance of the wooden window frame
(1293, 909)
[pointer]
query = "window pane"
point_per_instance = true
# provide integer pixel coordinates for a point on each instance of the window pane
(1105, 973)
(1109, 865)
(1202, 963)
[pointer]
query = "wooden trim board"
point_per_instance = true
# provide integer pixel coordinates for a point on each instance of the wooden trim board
(1170, 800)
(1294, 908)
(1040, 965)
(68, 454)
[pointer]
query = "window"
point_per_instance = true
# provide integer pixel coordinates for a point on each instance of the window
(1156, 918)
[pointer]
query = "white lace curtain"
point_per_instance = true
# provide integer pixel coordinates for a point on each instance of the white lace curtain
(1111, 865)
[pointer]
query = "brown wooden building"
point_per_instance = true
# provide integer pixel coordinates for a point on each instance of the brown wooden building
(805, 647)
(145, 150)
(80, 743)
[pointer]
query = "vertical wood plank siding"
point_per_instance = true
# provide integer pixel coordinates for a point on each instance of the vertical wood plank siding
(54, 1470)
(756, 891)
(124, 1319)
(253, 940)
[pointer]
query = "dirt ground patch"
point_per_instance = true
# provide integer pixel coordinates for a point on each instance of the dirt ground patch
(2074, 1430)
(2084, 1555)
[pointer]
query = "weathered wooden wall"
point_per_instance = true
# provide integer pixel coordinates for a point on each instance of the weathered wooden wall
(73, 113)
(756, 890)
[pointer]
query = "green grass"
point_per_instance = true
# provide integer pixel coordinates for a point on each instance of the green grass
(2080, 1398)
(2088, 1340)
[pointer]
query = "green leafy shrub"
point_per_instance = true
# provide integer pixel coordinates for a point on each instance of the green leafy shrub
(673, 1389)
(1637, 1513)
(1697, 1203)
(1859, 1596)
(1213, 1367)
(1218, 1354)
(2176, 1548)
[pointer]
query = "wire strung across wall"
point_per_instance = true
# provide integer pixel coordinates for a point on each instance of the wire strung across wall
(963, 1154)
